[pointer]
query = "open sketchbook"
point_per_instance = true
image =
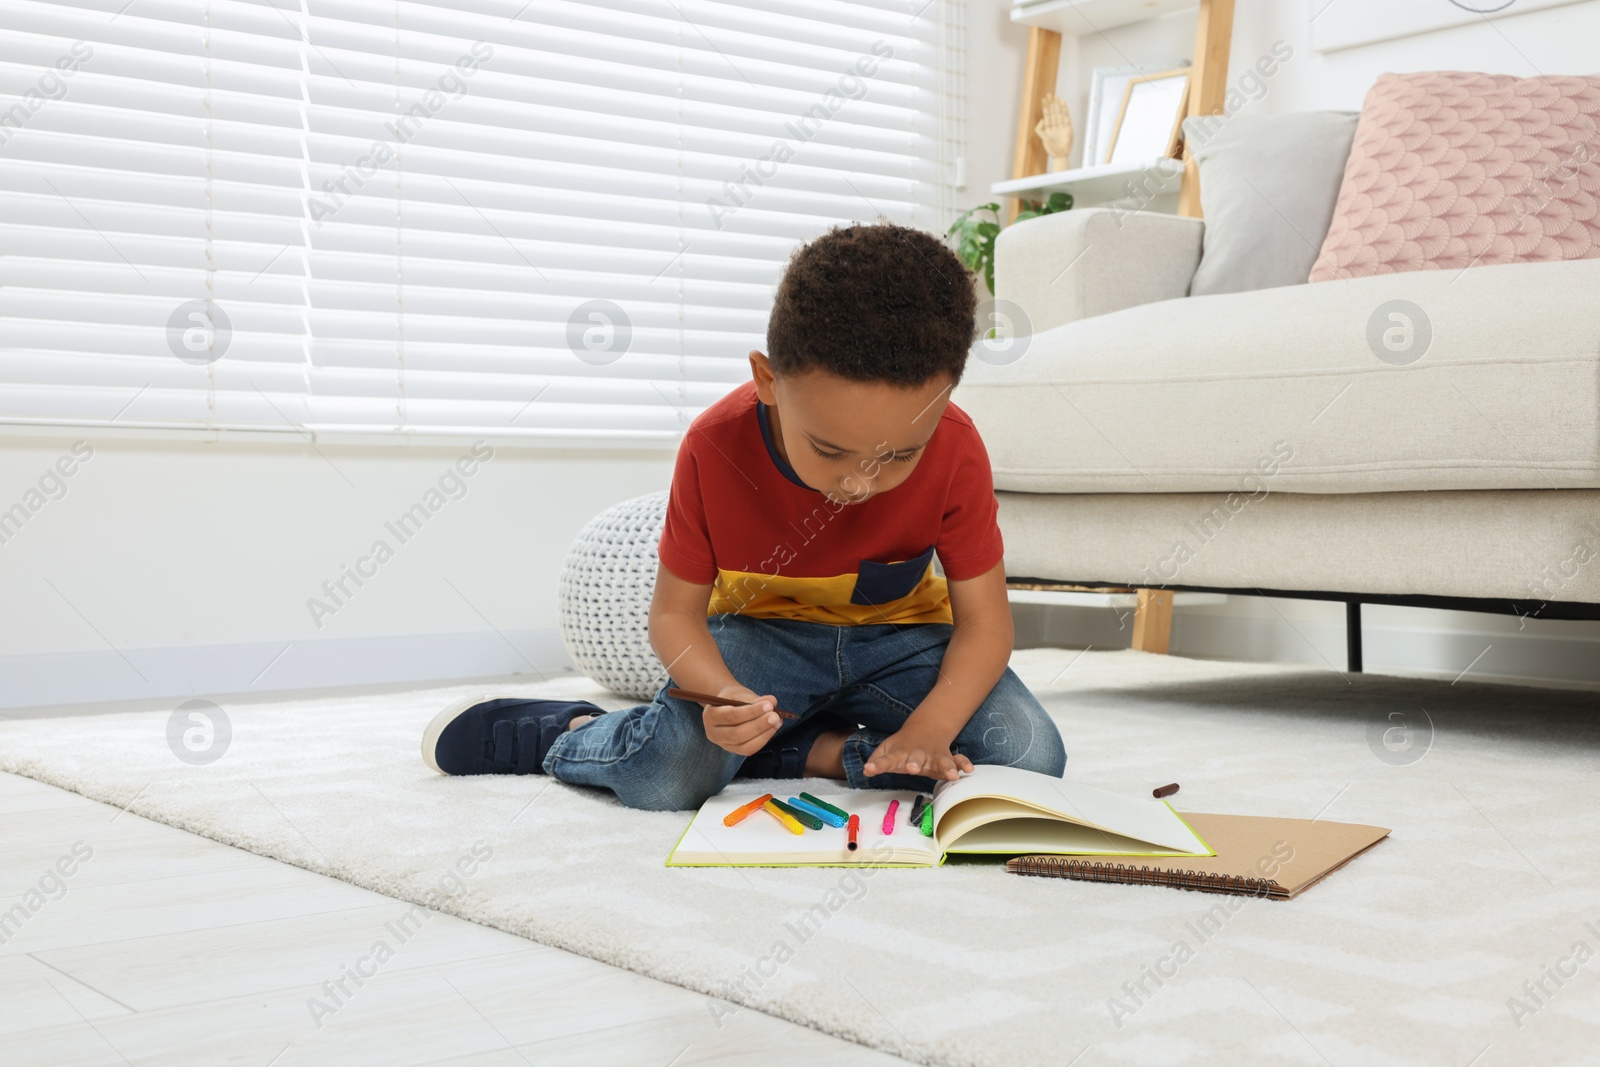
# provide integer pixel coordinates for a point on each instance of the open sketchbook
(994, 810)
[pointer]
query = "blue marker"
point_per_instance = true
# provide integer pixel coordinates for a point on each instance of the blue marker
(811, 809)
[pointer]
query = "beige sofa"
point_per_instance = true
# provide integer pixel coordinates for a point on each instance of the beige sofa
(1272, 441)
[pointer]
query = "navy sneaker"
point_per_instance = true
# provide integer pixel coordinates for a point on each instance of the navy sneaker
(785, 755)
(506, 736)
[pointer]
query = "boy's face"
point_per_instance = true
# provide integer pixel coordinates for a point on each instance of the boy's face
(850, 440)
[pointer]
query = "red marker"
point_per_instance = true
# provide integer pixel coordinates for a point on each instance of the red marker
(888, 820)
(854, 827)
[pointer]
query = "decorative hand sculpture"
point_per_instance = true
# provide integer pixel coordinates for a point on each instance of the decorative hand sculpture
(1055, 130)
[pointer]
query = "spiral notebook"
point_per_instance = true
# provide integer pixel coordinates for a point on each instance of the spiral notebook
(1274, 858)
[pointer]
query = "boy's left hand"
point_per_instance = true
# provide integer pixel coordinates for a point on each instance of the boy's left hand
(909, 751)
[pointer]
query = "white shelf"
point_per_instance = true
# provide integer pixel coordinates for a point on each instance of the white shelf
(1077, 17)
(1089, 185)
(1065, 599)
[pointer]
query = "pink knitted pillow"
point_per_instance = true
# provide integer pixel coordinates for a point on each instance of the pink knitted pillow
(1451, 170)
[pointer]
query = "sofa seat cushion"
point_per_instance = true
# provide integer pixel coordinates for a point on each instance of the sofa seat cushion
(1487, 378)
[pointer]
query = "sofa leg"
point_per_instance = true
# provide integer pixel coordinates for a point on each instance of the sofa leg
(1352, 635)
(1152, 625)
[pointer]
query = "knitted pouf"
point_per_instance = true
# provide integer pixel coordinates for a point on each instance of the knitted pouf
(604, 597)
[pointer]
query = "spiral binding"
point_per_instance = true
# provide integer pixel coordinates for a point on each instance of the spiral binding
(1094, 871)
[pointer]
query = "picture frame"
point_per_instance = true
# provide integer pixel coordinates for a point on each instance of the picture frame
(1107, 87)
(1150, 121)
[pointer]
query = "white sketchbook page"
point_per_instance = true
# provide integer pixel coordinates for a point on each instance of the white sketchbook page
(1141, 818)
(759, 838)
(1015, 836)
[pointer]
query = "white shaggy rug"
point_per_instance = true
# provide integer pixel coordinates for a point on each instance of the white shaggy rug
(1466, 938)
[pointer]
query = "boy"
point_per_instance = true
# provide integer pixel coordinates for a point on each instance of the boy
(797, 565)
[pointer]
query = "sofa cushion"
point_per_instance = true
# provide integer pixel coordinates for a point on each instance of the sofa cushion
(1092, 261)
(1452, 170)
(1267, 186)
(1480, 379)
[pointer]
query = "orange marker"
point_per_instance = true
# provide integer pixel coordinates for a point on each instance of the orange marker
(789, 822)
(855, 828)
(738, 815)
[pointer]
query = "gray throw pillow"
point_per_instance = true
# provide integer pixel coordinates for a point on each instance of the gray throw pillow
(1268, 184)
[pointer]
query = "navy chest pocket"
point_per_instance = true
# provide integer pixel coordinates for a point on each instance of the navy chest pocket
(882, 583)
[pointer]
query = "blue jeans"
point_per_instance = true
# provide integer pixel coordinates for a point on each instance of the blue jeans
(656, 756)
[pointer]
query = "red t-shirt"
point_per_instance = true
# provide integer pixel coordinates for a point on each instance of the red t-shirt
(740, 520)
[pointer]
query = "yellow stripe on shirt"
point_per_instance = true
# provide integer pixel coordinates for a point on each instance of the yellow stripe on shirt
(824, 600)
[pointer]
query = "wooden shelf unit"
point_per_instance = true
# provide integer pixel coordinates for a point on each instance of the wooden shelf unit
(1047, 20)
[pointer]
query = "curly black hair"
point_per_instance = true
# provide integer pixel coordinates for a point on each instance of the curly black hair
(873, 303)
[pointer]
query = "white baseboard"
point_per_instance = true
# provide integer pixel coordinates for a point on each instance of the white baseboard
(212, 670)
(1543, 658)
(1430, 652)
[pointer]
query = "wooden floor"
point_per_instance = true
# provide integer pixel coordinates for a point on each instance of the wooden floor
(167, 948)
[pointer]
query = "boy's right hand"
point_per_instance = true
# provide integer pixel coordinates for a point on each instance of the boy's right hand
(744, 729)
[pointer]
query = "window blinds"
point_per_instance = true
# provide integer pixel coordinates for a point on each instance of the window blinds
(543, 218)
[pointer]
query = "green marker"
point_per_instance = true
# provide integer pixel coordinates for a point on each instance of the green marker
(927, 820)
(824, 805)
(804, 818)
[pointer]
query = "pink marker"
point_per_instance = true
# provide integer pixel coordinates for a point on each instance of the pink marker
(888, 820)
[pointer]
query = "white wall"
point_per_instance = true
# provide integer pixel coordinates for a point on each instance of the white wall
(1553, 41)
(1561, 40)
(175, 566)
(996, 49)
(1558, 40)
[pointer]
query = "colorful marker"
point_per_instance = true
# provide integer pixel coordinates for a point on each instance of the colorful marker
(825, 806)
(927, 820)
(739, 814)
(789, 823)
(804, 818)
(711, 699)
(916, 808)
(811, 809)
(888, 820)
(855, 828)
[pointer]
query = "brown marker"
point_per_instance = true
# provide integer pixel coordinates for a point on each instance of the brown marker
(716, 701)
(1164, 791)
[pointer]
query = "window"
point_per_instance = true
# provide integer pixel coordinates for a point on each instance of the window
(485, 217)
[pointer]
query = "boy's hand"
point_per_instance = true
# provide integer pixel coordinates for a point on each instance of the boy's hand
(910, 751)
(742, 730)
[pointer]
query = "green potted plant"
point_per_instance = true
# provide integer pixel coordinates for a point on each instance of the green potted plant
(975, 234)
